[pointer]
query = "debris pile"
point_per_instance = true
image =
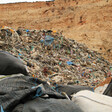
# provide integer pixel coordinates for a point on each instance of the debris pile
(52, 57)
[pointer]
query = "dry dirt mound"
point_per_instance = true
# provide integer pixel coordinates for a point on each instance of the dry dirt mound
(87, 21)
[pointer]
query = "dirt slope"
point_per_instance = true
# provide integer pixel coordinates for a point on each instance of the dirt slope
(87, 21)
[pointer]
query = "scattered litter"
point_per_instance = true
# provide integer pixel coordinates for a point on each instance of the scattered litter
(47, 53)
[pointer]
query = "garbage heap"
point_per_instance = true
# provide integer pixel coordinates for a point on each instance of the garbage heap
(53, 58)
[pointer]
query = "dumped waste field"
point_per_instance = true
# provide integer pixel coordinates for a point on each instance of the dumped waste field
(51, 56)
(86, 21)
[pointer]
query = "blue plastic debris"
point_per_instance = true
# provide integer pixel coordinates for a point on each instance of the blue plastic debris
(57, 88)
(89, 56)
(48, 40)
(93, 89)
(20, 54)
(38, 92)
(27, 30)
(70, 63)
(42, 41)
(19, 58)
(2, 109)
(83, 74)
(60, 63)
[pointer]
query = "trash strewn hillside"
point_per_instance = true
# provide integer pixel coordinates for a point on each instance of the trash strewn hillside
(51, 56)
(86, 21)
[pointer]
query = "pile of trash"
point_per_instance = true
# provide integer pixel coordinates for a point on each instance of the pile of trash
(52, 57)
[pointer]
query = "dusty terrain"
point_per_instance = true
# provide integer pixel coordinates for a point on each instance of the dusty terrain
(86, 21)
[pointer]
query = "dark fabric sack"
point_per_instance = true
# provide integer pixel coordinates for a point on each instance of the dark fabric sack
(11, 65)
(48, 105)
(27, 94)
(20, 89)
(71, 89)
